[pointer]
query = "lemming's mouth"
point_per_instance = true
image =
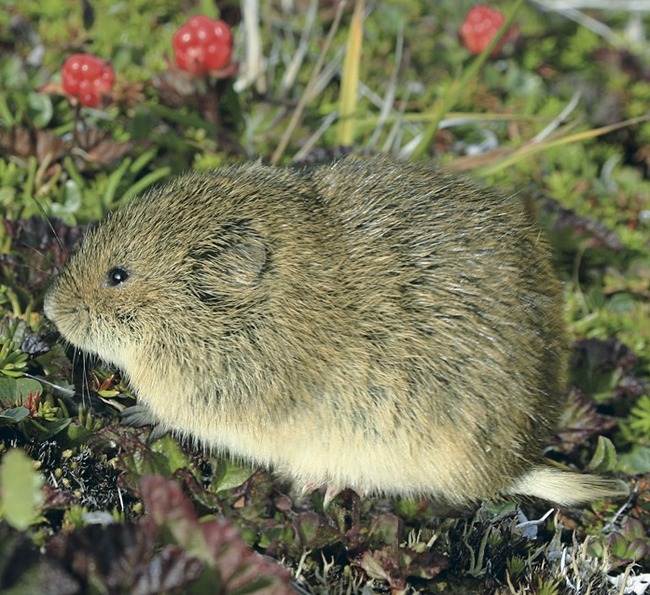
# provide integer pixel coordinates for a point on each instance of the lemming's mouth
(73, 323)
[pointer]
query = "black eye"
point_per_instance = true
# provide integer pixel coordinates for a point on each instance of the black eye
(116, 276)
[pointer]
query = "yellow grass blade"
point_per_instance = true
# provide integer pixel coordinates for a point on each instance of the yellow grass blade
(531, 149)
(350, 80)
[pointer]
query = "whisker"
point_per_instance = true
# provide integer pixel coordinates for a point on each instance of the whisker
(67, 391)
(49, 224)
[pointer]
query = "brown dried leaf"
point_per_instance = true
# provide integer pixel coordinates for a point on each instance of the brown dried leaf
(99, 148)
(177, 88)
(397, 564)
(127, 95)
(23, 143)
(93, 145)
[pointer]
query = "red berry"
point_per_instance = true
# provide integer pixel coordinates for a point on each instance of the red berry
(480, 26)
(86, 78)
(202, 45)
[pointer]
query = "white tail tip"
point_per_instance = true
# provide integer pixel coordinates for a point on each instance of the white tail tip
(566, 488)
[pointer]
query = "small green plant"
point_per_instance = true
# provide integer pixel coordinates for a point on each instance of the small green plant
(516, 566)
(627, 545)
(12, 360)
(21, 495)
(637, 427)
(22, 405)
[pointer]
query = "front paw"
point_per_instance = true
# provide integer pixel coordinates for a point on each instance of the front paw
(138, 416)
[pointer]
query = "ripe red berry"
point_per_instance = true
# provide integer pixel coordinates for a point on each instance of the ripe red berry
(480, 26)
(86, 78)
(202, 45)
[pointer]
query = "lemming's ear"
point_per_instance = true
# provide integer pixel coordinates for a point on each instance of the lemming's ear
(233, 261)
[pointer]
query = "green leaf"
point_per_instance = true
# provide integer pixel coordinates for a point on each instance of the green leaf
(633, 529)
(618, 545)
(229, 475)
(10, 417)
(21, 484)
(636, 462)
(50, 428)
(174, 456)
(40, 109)
(604, 458)
(637, 550)
(14, 391)
(71, 200)
(308, 524)
(385, 530)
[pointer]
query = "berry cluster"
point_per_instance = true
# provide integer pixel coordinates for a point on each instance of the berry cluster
(87, 78)
(480, 26)
(202, 46)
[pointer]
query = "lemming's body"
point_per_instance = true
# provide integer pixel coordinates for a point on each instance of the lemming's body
(371, 324)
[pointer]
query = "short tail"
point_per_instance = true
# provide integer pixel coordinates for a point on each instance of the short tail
(567, 488)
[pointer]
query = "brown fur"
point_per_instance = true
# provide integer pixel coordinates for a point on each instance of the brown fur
(370, 324)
